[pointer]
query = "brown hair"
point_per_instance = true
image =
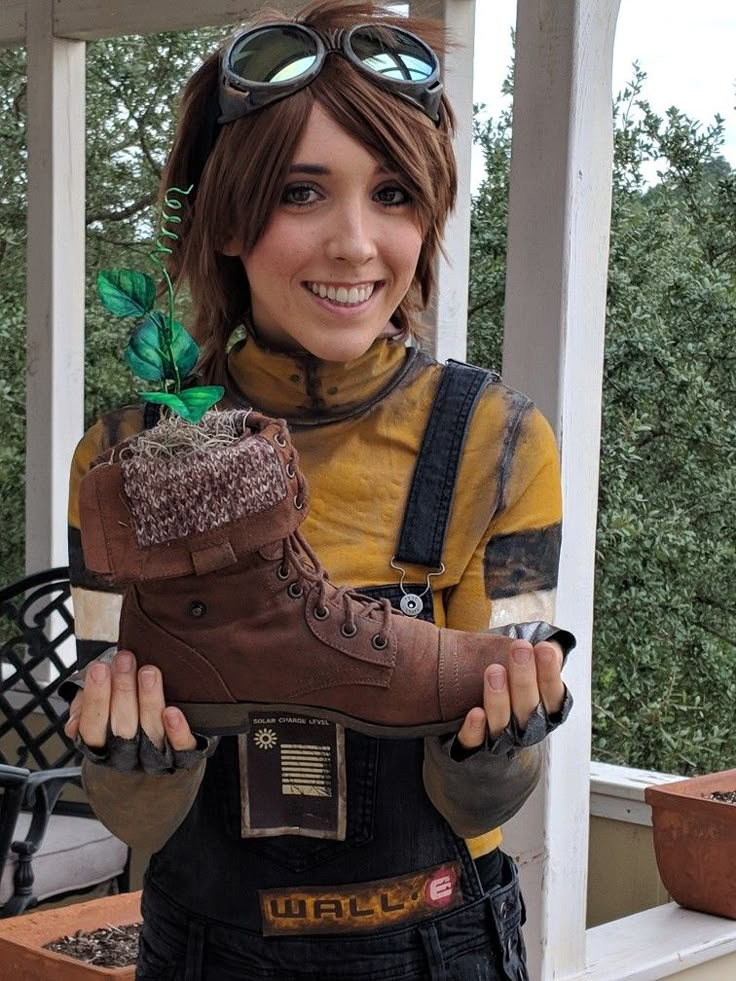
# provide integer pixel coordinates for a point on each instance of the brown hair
(238, 182)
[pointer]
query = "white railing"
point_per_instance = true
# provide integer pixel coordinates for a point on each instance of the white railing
(617, 792)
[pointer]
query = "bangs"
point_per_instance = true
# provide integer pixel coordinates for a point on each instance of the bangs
(244, 179)
(379, 126)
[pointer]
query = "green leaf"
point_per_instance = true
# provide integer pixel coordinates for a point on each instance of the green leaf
(146, 356)
(185, 350)
(143, 354)
(199, 400)
(190, 404)
(174, 402)
(125, 292)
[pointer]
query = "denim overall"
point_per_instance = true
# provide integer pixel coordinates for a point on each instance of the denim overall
(202, 911)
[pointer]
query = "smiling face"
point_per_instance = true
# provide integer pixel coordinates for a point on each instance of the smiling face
(339, 253)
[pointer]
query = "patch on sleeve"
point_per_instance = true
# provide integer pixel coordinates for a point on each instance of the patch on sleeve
(292, 777)
(524, 608)
(361, 906)
(96, 615)
(523, 562)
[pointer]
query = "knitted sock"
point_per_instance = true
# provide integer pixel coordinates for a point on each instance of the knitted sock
(183, 480)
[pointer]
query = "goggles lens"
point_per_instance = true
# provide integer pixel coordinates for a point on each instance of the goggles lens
(273, 61)
(278, 54)
(273, 55)
(392, 54)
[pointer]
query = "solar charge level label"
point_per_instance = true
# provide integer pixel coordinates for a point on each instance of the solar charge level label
(292, 777)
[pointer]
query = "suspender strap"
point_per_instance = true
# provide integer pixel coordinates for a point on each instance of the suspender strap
(427, 514)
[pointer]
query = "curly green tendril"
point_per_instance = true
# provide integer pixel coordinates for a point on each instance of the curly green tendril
(160, 348)
(161, 250)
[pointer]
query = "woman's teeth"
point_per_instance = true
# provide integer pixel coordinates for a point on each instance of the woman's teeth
(350, 297)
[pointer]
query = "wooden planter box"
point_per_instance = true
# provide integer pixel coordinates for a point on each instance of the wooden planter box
(695, 842)
(22, 957)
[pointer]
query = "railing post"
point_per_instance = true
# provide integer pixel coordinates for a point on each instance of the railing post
(559, 224)
(449, 314)
(55, 280)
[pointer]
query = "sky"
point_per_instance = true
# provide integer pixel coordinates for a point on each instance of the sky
(687, 50)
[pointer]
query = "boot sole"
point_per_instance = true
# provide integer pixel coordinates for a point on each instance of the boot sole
(227, 719)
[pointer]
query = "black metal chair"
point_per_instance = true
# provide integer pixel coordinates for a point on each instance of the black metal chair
(49, 847)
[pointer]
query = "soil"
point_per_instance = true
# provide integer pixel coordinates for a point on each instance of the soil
(108, 946)
(727, 796)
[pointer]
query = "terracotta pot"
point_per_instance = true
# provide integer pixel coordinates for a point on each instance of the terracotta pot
(23, 958)
(695, 842)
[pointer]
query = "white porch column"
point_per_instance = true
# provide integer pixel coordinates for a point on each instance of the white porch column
(559, 225)
(449, 315)
(55, 284)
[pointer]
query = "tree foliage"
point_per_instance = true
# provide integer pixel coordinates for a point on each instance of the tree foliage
(664, 641)
(12, 309)
(665, 611)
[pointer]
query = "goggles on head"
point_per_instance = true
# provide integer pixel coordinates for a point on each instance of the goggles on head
(270, 62)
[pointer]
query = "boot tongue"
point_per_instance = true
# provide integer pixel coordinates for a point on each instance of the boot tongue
(296, 553)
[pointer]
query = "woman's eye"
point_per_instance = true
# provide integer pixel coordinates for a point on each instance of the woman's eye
(393, 196)
(299, 194)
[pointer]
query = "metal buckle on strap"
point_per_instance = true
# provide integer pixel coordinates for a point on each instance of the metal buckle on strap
(411, 603)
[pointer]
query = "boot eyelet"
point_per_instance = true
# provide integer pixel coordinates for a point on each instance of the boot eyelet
(282, 573)
(347, 632)
(295, 590)
(290, 471)
(197, 608)
(279, 440)
(379, 642)
(321, 612)
(298, 504)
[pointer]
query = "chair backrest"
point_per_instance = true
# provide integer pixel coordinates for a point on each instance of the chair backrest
(35, 620)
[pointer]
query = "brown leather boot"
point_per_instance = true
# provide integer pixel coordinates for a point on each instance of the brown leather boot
(228, 600)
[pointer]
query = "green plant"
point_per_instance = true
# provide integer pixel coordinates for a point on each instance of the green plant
(161, 348)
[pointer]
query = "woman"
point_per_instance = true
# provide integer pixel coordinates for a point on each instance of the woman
(318, 204)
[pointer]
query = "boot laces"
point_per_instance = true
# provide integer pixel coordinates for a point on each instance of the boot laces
(296, 549)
